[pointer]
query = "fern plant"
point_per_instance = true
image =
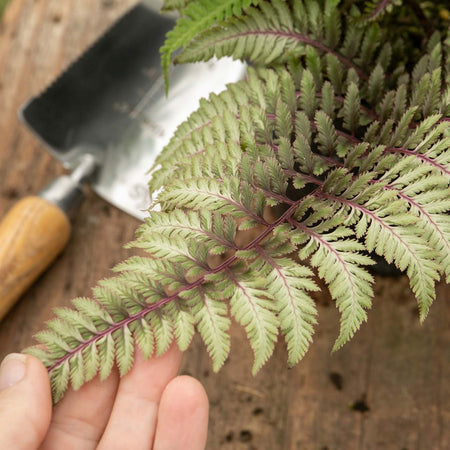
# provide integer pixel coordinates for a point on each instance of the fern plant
(334, 149)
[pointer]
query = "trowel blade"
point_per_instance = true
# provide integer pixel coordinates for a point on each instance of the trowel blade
(111, 103)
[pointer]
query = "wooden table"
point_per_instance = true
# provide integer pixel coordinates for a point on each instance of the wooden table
(387, 389)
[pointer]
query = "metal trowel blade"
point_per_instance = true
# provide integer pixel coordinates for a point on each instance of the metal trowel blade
(111, 103)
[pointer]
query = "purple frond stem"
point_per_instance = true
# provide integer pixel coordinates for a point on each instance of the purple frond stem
(418, 155)
(159, 304)
(303, 39)
(421, 156)
(366, 211)
(378, 9)
(321, 194)
(422, 211)
(275, 266)
(239, 206)
(326, 244)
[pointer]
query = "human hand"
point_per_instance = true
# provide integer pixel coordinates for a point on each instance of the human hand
(149, 408)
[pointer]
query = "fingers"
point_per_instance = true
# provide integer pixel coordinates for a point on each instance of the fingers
(80, 418)
(25, 402)
(133, 419)
(183, 416)
(146, 402)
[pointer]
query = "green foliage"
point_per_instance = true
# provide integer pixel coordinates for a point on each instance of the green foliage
(197, 16)
(335, 148)
(374, 9)
(3, 4)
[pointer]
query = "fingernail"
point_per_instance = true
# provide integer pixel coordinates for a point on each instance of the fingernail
(12, 370)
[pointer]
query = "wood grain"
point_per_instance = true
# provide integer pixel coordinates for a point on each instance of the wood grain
(387, 389)
(32, 234)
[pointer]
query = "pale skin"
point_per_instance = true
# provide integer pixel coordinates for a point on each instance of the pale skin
(149, 408)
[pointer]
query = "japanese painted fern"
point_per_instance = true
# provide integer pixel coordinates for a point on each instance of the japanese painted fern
(335, 148)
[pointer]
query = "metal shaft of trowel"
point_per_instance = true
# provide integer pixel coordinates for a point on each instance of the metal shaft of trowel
(66, 191)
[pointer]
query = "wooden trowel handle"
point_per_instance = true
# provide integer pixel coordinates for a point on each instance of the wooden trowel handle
(32, 235)
(37, 229)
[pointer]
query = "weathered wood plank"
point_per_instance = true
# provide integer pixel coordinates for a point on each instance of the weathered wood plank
(387, 389)
(37, 40)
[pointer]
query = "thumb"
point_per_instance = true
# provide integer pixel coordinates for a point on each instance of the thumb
(25, 402)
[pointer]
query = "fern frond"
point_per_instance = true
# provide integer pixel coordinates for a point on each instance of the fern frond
(392, 233)
(338, 151)
(179, 5)
(428, 195)
(339, 260)
(289, 284)
(196, 17)
(211, 318)
(195, 136)
(374, 9)
(269, 34)
(252, 308)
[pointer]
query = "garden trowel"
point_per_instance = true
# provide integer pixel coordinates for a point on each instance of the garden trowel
(105, 118)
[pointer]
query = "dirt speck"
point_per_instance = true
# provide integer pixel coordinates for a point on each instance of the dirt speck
(337, 380)
(245, 436)
(360, 405)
